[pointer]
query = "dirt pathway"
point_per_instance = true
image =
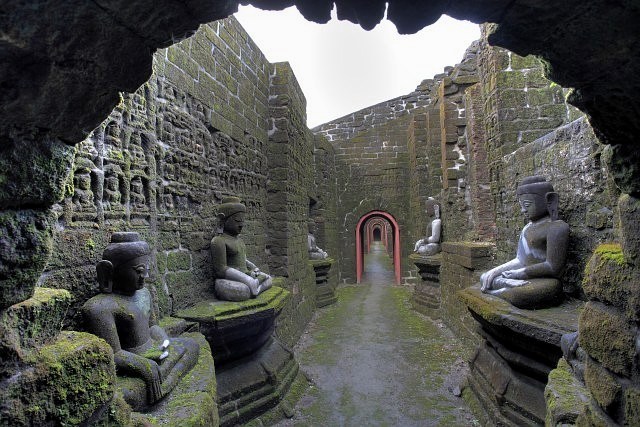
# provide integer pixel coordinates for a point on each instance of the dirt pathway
(375, 362)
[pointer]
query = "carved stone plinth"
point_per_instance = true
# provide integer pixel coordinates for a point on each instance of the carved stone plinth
(326, 291)
(426, 294)
(510, 368)
(254, 371)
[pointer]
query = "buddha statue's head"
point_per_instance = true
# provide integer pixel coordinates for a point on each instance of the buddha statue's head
(231, 215)
(537, 198)
(432, 208)
(311, 227)
(124, 265)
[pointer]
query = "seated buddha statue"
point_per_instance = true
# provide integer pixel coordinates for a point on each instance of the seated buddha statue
(531, 279)
(122, 315)
(236, 278)
(314, 251)
(430, 245)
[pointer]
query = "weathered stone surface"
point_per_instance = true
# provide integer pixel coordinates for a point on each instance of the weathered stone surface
(609, 279)
(544, 325)
(325, 289)
(69, 380)
(35, 321)
(629, 209)
(237, 329)
(193, 401)
(607, 337)
(603, 385)
(43, 182)
(565, 396)
(25, 242)
(248, 390)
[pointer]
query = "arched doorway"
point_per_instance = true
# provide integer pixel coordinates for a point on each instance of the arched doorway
(361, 244)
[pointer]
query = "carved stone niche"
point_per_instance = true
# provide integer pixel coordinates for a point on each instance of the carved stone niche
(519, 349)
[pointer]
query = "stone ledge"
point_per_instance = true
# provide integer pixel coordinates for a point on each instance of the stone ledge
(316, 263)
(221, 312)
(433, 260)
(546, 325)
(469, 249)
(237, 329)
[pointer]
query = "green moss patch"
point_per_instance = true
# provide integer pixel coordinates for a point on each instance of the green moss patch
(64, 384)
(565, 395)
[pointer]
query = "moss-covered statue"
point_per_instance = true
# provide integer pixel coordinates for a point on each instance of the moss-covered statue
(122, 315)
(314, 251)
(531, 280)
(236, 278)
(430, 245)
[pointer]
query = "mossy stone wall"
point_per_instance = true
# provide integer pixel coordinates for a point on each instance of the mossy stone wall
(290, 183)
(197, 131)
(323, 203)
(163, 161)
(372, 169)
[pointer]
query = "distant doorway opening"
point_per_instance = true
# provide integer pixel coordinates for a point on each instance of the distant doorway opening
(389, 231)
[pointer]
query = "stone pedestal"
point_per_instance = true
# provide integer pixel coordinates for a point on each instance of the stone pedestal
(254, 371)
(326, 291)
(510, 369)
(426, 294)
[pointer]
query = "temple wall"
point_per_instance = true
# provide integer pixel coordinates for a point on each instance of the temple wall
(527, 129)
(291, 177)
(372, 167)
(197, 131)
(323, 203)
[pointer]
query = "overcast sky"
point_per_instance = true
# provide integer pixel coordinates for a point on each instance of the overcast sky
(342, 68)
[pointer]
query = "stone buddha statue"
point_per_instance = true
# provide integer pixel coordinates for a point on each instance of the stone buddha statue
(430, 245)
(122, 315)
(314, 251)
(236, 278)
(531, 279)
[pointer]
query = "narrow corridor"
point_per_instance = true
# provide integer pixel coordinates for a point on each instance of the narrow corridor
(375, 362)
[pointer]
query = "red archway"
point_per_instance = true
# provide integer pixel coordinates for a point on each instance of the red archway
(396, 244)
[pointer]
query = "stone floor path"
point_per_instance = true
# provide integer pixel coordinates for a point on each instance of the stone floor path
(375, 362)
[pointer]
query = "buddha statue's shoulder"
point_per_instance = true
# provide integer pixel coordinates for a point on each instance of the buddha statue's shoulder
(101, 304)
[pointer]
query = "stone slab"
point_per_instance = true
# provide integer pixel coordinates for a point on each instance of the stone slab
(545, 325)
(469, 249)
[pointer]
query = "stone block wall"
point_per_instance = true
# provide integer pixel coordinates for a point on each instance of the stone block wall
(571, 158)
(346, 127)
(372, 164)
(323, 205)
(371, 172)
(291, 176)
(462, 264)
(201, 128)
(454, 148)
